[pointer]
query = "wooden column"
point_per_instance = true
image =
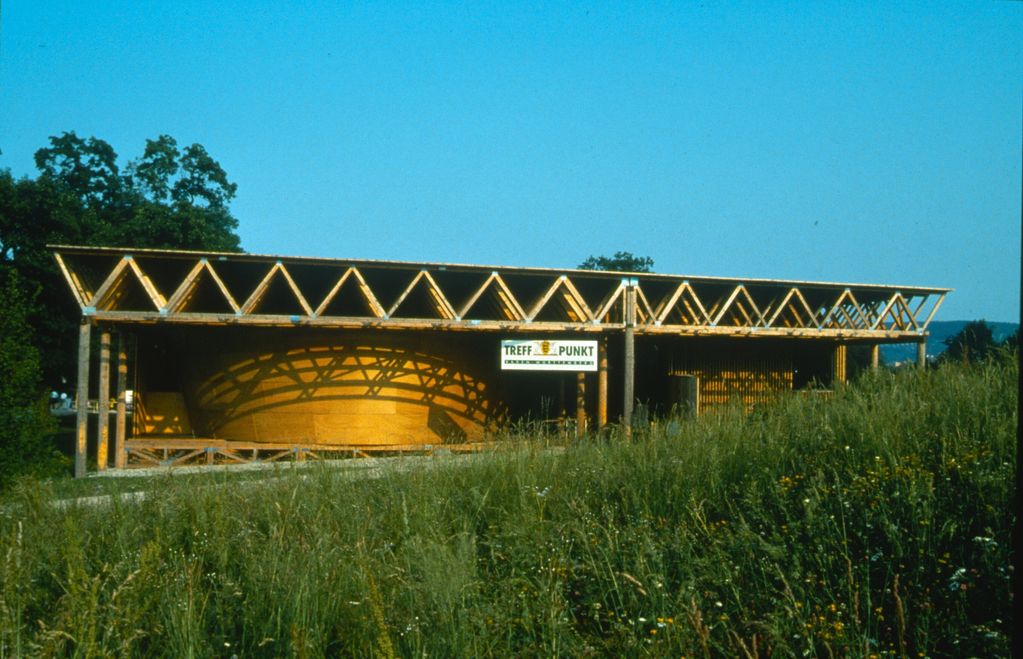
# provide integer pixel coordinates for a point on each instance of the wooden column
(602, 382)
(580, 404)
(82, 397)
(630, 357)
(122, 388)
(921, 354)
(103, 402)
(875, 356)
(838, 365)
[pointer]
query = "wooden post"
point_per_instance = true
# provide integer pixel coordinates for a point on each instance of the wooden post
(921, 354)
(630, 357)
(122, 388)
(580, 404)
(838, 365)
(82, 397)
(103, 402)
(875, 357)
(562, 414)
(602, 382)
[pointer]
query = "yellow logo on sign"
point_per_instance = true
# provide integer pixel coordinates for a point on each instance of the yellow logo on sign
(545, 347)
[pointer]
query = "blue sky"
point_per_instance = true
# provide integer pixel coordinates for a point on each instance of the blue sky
(832, 141)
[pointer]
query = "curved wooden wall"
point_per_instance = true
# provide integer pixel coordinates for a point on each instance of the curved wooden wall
(341, 388)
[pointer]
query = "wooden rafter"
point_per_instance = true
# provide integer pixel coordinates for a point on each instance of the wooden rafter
(780, 308)
(257, 296)
(440, 303)
(570, 297)
(509, 305)
(191, 280)
(664, 308)
(157, 298)
(731, 300)
(608, 302)
(109, 283)
(367, 293)
(74, 283)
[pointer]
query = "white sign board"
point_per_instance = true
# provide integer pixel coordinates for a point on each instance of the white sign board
(544, 355)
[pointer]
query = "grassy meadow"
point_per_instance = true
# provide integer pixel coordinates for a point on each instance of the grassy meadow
(875, 522)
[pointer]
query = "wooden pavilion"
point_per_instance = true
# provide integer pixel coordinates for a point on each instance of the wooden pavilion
(231, 357)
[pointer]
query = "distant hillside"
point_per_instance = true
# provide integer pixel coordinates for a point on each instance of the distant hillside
(940, 330)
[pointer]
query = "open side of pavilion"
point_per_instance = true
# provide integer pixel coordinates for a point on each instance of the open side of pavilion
(231, 357)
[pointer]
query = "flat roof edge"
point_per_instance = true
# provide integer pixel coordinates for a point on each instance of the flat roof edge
(419, 265)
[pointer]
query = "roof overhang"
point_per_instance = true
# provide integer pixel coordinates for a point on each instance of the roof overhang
(126, 285)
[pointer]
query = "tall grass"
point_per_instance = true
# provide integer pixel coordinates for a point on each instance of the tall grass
(876, 522)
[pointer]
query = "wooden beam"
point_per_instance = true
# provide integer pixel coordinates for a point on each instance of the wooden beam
(580, 404)
(875, 356)
(838, 371)
(81, 296)
(921, 354)
(629, 374)
(260, 290)
(154, 294)
(103, 402)
(602, 382)
(120, 429)
(608, 302)
(545, 298)
(298, 293)
(362, 322)
(82, 397)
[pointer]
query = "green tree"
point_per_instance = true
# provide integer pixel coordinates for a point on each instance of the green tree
(86, 167)
(974, 343)
(25, 423)
(620, 262)
(168, 198)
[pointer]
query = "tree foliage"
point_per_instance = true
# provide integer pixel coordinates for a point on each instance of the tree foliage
(974, 343)
(169, 197)
(620, 262)
(25, 424)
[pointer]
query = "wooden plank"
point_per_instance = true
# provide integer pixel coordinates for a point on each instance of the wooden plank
(154, 294)
(724, 307)
(644, 311)
(220, 284)
(348, 322)
(184, 288)
(576, 301)
(74, 283)
(513, 310)
(580, 404)
(408, 290)
(82, 397)
(605, 306)
(260, 290)
(839, 364)
(108, 283)
(934, 310)
(602, 382)
(103, 402)
(367, 292)
(629, 368)
(333, 292)
(298, 294)
(120, 429)
(667, 303)
(544, 299)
